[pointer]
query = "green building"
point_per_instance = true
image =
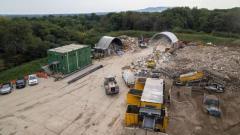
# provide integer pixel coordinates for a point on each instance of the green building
(69, 58)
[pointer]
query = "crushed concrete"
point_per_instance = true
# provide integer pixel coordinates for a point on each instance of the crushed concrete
(129, 43)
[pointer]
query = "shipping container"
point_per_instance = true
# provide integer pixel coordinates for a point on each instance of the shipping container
(69, 58)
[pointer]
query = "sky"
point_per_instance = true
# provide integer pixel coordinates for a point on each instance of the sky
(89, 6)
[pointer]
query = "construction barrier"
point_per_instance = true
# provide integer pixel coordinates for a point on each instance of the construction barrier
(42, 75)
(13, 81)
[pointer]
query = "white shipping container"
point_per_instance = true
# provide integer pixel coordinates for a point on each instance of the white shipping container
(128, 77)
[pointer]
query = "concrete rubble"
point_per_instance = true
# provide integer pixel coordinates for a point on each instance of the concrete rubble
(129, 43)
(221, 63)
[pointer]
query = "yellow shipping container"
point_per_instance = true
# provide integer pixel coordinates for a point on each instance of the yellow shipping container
(131, 116)
(140, 83)
(134, 97)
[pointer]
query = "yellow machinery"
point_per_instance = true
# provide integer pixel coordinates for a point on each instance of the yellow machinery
(139, 83)
(148, 111)
(190, 77)
(151, 63)
(131, 116)
(134, 97)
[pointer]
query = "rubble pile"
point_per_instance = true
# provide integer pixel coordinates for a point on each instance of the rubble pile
(161, 42)
(224, 60)
(129, 43)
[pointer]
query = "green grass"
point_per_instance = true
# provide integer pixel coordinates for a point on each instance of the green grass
(132, 33)
(194, 36)
(22, 70)
(205, 38)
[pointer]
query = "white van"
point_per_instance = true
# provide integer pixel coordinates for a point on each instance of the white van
(128, 77)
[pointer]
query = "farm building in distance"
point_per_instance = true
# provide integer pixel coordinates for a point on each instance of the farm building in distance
(69, 58)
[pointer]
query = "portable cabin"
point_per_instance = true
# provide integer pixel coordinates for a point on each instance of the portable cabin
(69, 58)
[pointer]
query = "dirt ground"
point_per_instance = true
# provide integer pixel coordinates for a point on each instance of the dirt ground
(186, 113)
(56, 108)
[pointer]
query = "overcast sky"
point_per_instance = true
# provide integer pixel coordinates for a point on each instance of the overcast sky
(88, 6)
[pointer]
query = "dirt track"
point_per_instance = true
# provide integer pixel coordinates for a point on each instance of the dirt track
(57, 108)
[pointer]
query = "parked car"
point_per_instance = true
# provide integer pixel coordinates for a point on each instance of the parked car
(6, 88)
(20, 83)
(128, 77)
(211, 105)
(215, 87)
(32, 79)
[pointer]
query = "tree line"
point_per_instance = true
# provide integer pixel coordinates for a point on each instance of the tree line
(23, 39)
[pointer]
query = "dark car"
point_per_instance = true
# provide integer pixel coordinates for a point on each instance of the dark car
(20, 83)
(6, 88)
(215, 87)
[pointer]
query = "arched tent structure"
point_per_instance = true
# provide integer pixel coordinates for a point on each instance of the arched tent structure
(109, 45)
(171, 38)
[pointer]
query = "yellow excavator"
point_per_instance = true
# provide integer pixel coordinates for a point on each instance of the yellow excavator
(190, 78)
(151, 63)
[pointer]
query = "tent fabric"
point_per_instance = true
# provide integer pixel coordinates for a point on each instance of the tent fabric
(105, 41)
(171, 36)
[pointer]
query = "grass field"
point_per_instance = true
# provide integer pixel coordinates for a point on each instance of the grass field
(205, 38)
(34, 66)
(198, 37)
(22, 70)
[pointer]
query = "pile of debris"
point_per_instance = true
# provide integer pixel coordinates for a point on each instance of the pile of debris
(129, 43)
(222, 60)
(162, 43)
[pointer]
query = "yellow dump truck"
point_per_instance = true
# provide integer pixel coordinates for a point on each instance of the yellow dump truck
(149, 112)
(190, 77)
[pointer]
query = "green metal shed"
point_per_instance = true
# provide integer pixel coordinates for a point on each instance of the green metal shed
(69, 58)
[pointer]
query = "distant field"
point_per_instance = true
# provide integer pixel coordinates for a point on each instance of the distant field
(34, 66)
(132, 33)
(199, 37)
(22, 70)
(205, 38)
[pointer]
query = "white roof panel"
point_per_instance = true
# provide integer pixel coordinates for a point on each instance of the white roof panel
(171, 36)
(153, 91)
(105, 41)
(68, 48)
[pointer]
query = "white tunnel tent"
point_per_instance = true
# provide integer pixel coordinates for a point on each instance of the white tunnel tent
(168, 36)
(109, 45)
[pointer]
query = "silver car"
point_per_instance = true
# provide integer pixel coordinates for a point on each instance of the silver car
(32, 79)
(6, 88)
